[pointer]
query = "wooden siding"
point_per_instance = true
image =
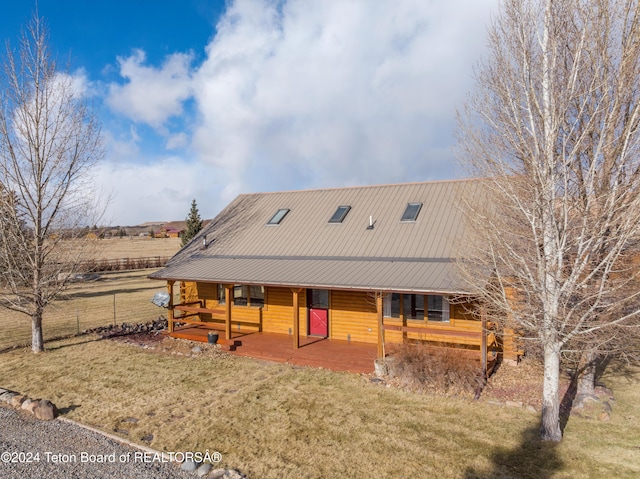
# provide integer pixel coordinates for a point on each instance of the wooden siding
(353, 316)
(277, 316)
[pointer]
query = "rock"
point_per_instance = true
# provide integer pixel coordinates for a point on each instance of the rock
(217, 474)
(132, 420)
(147, 438)
(7, 396)
(197, 349)
(606, 407)
(124, 432)
(45, 410)
(189, 465)
(203, 470)
(2, 391)
(233, 474)
(513, 404)
(25, 404)
(530, 408)
(17, 400)
(604, 416)
(30, 405)
(585, 398)
(495, 403)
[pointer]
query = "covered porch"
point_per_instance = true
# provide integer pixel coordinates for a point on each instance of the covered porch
(336, 355)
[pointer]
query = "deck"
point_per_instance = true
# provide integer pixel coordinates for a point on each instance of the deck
(331, 354)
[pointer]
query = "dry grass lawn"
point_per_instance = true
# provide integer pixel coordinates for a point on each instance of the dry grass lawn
(119, 297)
(277, 421)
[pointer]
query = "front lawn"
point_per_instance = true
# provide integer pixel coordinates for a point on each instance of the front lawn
(276, 420)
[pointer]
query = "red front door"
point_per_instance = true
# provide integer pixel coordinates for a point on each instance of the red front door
(318, 323)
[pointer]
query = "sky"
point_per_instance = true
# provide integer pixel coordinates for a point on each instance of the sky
(208, 99)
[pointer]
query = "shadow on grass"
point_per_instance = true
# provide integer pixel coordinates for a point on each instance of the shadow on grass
(86, 339)
(68, 409)
(532, 458)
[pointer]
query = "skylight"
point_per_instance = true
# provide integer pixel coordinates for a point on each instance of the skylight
(278, 217)
(340, 214)
(411, 212)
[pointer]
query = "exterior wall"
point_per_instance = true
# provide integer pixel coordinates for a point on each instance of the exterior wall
(353, 316)
(277, 315)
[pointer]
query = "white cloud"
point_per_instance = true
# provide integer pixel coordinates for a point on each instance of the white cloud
(151, 95)
(296, 94)
(158, 191)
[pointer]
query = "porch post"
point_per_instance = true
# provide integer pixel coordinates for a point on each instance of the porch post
(380, 324)
(170, 306)
(227, 311)
(296, 318)
(483, 344)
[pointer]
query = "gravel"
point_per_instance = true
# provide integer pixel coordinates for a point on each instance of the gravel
(24, 438)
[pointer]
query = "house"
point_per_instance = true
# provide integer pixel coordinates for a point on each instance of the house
(372, 264)
(173, 229)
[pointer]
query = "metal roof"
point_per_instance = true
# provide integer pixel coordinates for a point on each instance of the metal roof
(305, 250)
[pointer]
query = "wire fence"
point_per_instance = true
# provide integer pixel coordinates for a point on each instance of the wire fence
(123, 301)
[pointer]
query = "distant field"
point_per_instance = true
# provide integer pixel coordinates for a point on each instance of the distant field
(136, 247)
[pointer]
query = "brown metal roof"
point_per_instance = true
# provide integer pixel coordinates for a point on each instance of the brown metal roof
(306, 250)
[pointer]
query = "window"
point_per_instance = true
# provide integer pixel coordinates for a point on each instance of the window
(252, 296)
(411, 212)
(278, 217)
(222, 299)
(256, 296)
(240, 295)
(340, 214)
(391, 305)
(437, 308)
(413, 306)
(318, 298)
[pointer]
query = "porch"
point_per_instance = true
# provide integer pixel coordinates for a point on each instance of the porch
(336, 355)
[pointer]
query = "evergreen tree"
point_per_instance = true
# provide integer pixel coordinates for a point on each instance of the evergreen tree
(194, 224)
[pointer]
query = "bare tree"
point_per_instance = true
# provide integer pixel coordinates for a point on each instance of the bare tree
(553, 130)
(49, 141)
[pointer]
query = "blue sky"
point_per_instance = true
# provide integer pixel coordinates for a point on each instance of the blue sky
(207, 99)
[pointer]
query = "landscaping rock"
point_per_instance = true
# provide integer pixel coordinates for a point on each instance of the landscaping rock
(197, 349)
(17, 400)
(30, 405)
(203, 470)
(234, 474)
(7, 397)
(217, 474)
(45, 410)
(513, 404)
(189, 465)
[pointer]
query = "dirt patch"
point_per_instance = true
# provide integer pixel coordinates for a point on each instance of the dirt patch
(161, 343)
(521, 383)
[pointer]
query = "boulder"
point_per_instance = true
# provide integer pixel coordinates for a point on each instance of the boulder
(45, 410)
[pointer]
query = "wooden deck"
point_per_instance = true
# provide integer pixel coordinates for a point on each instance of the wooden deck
(315, 352)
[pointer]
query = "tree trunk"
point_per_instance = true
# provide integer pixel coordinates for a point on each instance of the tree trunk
(37, 342)
(550, 423)
(587, 374)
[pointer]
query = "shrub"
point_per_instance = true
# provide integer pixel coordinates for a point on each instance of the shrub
(440, 370)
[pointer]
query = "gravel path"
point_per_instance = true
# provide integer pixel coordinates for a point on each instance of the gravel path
(43, 442)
